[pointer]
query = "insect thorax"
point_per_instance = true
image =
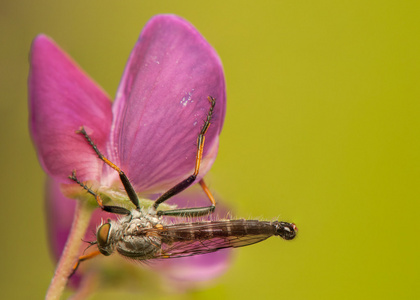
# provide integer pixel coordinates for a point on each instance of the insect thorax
(130, 237)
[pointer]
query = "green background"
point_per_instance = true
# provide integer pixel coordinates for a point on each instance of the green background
(321, 128)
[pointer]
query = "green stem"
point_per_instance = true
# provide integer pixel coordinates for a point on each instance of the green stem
(71, 251)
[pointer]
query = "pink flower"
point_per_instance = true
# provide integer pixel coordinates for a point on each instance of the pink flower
(150, 131)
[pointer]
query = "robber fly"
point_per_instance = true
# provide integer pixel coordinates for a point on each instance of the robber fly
(144, 235)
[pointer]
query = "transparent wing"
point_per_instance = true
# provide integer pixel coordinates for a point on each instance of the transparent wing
(189, 248)
(187, 239)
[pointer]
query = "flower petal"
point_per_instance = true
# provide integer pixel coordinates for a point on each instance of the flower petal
(162, 104)
(60, 213)
(197, 270)
(62, 98)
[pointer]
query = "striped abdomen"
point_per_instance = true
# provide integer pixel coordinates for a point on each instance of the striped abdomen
(186, 239)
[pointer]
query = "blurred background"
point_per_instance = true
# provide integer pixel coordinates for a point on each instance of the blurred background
(321, 129)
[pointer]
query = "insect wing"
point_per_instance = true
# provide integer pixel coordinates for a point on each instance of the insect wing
(190, 248)
(188, 239)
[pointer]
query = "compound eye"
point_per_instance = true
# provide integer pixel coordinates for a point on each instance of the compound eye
(103, 235)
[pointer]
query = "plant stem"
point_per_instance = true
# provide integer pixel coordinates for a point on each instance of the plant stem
(71, 251)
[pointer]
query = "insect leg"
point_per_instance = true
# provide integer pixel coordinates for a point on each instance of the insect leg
(83, 258)
(195, 211)
(198, 211)
(108, 208)
(207, 191)
(124, 179)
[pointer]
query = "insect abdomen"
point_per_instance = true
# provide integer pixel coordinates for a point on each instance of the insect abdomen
(218, 229)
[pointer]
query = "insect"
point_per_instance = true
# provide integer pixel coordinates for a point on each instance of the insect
(144, 235)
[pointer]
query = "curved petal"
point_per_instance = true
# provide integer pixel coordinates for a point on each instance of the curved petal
(62, 98)
(194, 271)
(60, 212)
(162, 104)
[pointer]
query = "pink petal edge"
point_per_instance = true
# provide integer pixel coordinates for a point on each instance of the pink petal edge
(162, 103)
(62, 98)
